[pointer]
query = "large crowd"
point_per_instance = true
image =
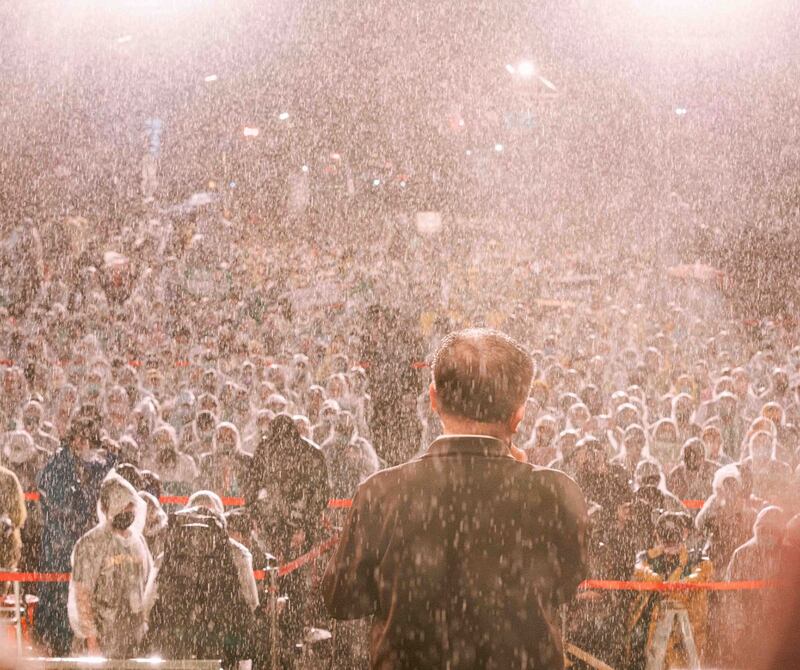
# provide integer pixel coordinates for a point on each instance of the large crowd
(184, 354)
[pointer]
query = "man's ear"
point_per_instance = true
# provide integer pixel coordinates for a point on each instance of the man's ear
(517, 418)
(432, 394)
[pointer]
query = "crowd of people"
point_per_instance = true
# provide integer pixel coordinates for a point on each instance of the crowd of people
(189, 355)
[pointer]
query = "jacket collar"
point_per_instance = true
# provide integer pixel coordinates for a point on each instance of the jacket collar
(458, 445)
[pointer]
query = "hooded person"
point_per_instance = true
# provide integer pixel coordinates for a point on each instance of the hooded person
(144, 417)
(691, 478)
(117, 407)
(633, 448)
(26, 460)
(301, 374)
(327, 414)
(287, 493)
(727, 517)
(665, 445)
(649, 482)
(176, 469)
(32, 415)
(155, 526)
(760, 558)
(226, 468)
(771, 478)
(24, 457)
(69, 486)
(111, 564)
(202, 441)
(242, 558)
(349, 461)
(540, 449)
(257, 430)
(12, 518)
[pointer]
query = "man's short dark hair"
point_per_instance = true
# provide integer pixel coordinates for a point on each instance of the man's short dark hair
(482, 375)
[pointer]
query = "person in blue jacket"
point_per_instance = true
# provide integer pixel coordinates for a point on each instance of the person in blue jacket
(69, 486)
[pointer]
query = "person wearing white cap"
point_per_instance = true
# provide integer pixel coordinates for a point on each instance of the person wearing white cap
(111, 564)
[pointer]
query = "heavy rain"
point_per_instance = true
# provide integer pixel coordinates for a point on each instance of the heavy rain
(348, 335)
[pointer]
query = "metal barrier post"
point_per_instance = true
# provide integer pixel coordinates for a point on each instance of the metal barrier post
(18, 617)
(272, 571)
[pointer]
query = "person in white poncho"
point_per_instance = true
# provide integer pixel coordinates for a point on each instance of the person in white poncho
(111, 564)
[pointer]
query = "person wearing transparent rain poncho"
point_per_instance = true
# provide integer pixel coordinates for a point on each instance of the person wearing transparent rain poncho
(110, 568)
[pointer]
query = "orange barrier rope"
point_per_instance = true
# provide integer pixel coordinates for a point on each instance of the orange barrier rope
(333, 503)
(606, 585)
(588, 585)
(300, 561)
(34, 576)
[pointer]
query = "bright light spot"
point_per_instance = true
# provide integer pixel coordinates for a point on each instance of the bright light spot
(680, 111)
(210, 78)
(251, 132)
(283, 116)
(402, 183)
(526, 69)
(469, 152)
(336, 157)
(125, 39)
(549, 84)
(510, 68)
(376, 182)
(461, 122)
(498, 147)
(232, 184)
(304, 168)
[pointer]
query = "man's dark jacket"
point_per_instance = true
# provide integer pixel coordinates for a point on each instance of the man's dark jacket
(462, 556)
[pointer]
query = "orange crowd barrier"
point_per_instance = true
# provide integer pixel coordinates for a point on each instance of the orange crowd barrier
(608, 585)
(333, 503)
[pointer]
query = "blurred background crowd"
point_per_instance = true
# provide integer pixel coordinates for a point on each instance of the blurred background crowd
(215, 280)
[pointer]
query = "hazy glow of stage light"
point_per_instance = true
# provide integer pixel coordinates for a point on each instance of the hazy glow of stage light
(251, 132)
(125, 39)
(680, 111)
(304, 168)
(498, 148)
(376, 182)
(210, 78)
(283, 116)
(510, 68)
(336, 157)
(526, 69)
(469, 152)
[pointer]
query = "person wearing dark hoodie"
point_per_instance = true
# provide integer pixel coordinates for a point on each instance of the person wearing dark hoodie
(111, 564)
(287, 493)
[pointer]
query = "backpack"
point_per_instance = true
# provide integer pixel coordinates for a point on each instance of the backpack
(200, 611)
